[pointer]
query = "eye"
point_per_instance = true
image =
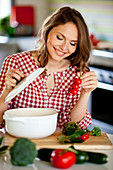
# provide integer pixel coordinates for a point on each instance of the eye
(59, 37)
(73, 44)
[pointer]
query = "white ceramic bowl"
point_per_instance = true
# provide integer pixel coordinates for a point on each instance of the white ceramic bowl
(32, 123)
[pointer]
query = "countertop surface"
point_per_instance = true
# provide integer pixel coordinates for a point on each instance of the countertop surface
(5, 163)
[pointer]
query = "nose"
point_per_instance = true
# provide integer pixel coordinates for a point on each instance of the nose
(64, 46)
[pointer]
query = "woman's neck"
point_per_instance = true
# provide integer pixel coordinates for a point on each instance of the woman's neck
(54, 66)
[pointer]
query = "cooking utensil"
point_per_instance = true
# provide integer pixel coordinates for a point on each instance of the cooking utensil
(31, 123)
(22, 84)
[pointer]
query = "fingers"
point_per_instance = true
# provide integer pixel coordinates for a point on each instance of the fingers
(15, 73)
(89, 81)
(12, 77)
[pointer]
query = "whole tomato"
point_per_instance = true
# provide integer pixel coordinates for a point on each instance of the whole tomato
(84, 136)
(77, 81)
(75, 86)
(73, 91)
(63, 159)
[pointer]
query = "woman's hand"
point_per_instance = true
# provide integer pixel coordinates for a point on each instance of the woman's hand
(89, 81)
(12, 76)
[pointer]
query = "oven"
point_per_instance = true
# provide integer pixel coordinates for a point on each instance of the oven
(101, 99)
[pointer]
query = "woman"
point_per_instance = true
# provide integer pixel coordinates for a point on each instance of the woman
(64, 51)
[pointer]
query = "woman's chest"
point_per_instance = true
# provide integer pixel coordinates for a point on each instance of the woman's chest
(47, 91)
(50, 82)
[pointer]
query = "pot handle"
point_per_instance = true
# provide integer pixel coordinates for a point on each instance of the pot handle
(14, 119)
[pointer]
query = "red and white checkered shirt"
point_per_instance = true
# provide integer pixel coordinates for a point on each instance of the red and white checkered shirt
(35, 94)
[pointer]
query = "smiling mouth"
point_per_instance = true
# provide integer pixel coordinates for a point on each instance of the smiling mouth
(58, 52)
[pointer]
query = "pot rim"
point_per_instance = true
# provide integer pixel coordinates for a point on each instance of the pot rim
(6, 115)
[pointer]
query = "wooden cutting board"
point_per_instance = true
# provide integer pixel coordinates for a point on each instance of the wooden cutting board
(93, 142)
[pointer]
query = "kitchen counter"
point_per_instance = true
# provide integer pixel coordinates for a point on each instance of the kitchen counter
(104, 45)
(5, 163)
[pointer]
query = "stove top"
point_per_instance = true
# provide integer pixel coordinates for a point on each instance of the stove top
(106, 53)
(102, 57)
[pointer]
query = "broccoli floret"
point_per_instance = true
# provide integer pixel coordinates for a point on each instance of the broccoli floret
(96, 131)
(69, 128)
(23, 152)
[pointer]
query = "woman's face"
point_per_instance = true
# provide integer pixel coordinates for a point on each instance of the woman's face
(62, 41)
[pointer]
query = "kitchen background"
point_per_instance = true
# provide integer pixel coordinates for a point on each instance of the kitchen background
(26, 18)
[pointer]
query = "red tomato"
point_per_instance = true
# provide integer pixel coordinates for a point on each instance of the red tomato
(75, 86)
(73, 91)
(62, 159)
(84, 137)
(77, 81)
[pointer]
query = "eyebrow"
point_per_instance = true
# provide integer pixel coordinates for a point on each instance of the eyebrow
(64, 37)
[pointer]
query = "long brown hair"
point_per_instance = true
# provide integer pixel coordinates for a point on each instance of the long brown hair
(60, 17)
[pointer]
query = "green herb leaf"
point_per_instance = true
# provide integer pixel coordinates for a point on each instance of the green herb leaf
(69, 128)
(1, 139)
(3, 148)
(61, 139)
(72, 138)
(76, 134)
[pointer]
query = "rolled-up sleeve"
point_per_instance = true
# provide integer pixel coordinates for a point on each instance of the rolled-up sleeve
(86, 121)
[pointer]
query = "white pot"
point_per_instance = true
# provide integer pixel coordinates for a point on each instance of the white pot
(32, 123)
